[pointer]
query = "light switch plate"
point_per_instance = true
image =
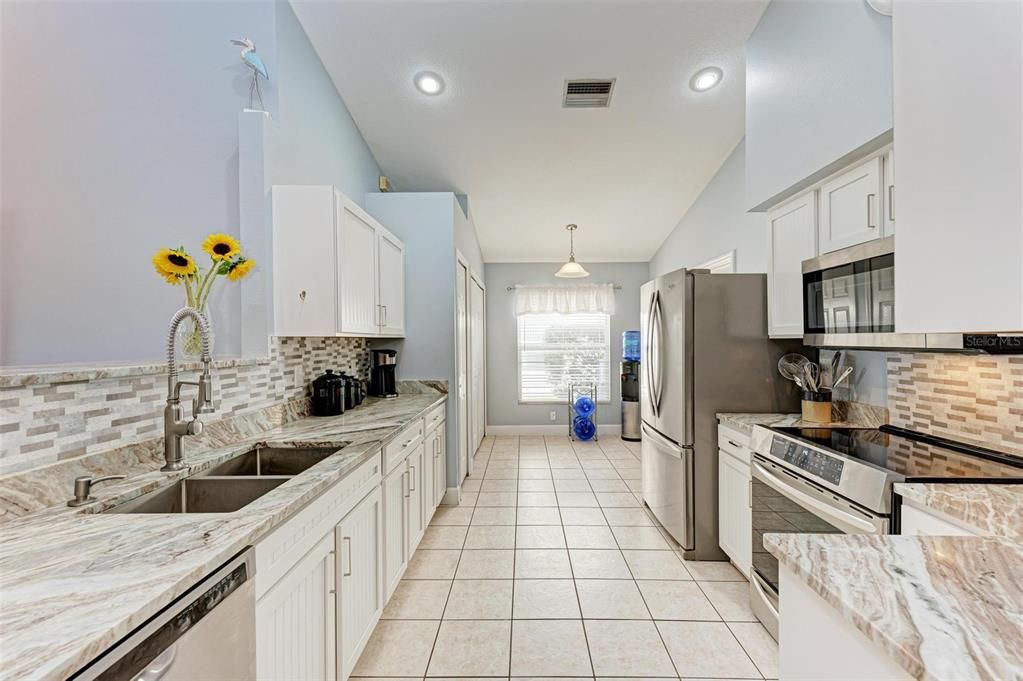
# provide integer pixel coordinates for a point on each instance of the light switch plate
(554, 415)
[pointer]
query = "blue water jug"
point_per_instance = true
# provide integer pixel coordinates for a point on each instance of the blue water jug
(583, 428)
(630, 346)
(584, 405)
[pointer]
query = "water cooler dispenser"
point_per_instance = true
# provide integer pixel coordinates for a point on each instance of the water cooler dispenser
(630, 386)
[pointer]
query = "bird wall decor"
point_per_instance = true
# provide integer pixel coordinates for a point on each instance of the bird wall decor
(253, 61)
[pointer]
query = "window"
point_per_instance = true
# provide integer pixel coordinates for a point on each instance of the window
(556, 350)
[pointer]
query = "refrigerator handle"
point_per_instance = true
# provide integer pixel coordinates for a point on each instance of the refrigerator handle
(659, 369)
(649, 363)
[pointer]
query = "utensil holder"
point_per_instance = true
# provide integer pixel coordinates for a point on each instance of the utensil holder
(817, 406)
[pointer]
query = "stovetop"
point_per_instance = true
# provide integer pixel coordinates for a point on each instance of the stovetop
(911, 455)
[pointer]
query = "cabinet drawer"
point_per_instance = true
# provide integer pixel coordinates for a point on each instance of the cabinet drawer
(734, 442)
(404, 442)
(283, 547)
(434, 417)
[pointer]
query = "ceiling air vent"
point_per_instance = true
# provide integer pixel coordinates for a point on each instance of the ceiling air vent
(588, 93)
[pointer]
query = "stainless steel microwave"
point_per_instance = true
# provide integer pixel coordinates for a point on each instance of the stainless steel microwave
(849, 302)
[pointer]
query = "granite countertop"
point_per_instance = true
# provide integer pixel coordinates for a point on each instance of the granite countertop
(74, 581)
(942, 607)
(994, 510)
(744, 422)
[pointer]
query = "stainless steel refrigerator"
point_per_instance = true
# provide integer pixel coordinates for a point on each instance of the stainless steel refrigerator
(705, 351)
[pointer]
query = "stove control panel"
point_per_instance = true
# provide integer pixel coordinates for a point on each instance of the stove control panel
(820, 464)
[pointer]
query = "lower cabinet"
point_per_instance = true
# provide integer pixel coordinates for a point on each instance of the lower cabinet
(735, 512)
(437, 448)
(295, 620)
(360, 576)
(395, 494)
(925, 522)
(416, 511)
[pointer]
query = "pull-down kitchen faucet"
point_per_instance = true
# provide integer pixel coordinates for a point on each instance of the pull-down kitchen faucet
(174, 427)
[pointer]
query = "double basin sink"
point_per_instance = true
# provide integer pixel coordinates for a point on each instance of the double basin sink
(231, 485)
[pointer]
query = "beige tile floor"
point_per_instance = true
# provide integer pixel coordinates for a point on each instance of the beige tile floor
(551, 567)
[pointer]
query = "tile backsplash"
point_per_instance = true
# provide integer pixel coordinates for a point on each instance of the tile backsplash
(57, 416)
(963, 397)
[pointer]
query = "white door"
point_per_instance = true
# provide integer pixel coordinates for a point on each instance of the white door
(295, 620)
(360, 575)
(462, 351)
(416, 524)
(440, 469)
(303, 264)
(888, 198)
(358, 310)
(395, 490)
(851, 207)
(391, 255)
(792, 232)
(735, 519)
(477, 364)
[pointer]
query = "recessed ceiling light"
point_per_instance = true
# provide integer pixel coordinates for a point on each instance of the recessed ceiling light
(705, 79)
(429, 83)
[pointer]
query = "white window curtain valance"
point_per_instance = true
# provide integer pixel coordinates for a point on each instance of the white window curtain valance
(584, 298)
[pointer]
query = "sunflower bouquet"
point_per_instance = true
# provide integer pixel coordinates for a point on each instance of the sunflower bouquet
(178, 268)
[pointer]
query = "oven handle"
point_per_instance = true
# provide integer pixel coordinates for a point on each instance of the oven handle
(758, 586)
(838, 517)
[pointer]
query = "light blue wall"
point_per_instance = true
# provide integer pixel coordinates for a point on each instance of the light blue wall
(717, 223)
(119, 136)
(503, 408)
(818, 87)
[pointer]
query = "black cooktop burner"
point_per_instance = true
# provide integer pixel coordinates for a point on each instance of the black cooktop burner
(913, 455)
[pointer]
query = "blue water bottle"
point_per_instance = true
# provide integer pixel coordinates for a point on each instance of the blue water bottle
(630, 346)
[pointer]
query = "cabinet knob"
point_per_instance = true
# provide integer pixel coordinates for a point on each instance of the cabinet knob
(301, 295)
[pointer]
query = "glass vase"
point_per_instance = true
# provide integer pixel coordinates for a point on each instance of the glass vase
(190, 338)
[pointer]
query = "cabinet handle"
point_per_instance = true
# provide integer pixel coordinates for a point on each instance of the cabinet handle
(734, 444)
(891, 202)
(870, 211)
(412, 479)
(404, 484)
(384, 307)
(348, 553)
(301, 295)
(749, 493)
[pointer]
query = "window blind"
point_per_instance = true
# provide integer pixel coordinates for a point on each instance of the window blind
(556, 350)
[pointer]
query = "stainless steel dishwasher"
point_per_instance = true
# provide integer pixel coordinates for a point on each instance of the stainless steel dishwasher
(207, 634)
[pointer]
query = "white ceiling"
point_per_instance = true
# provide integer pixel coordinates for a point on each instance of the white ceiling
(498, 133)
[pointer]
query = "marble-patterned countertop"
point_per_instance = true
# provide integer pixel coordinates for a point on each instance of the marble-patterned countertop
(943, 608)
(744, 422)
(74, 581)
(994, 510)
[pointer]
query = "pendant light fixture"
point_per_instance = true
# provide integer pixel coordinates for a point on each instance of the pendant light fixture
(571, 269)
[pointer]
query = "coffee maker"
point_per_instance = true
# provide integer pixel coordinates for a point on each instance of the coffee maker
(381, 381)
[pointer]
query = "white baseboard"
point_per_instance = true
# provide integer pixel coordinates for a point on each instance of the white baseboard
(614, 429)
(452, 496)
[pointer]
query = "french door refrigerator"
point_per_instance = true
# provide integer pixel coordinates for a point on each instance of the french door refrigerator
(705, 351)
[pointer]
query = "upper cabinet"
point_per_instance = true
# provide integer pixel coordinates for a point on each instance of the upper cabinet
(850, 207)
(958, 118)
(336, 270)
(792, 238)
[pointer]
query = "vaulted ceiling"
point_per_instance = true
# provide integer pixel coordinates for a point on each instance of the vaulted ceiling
(498, 131)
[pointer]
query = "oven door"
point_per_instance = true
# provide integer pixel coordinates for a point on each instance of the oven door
(784, 502)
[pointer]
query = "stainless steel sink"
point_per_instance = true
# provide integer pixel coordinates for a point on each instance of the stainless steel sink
(271, 461)
(205, 494)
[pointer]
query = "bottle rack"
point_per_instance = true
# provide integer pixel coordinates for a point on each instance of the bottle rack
(575, 391)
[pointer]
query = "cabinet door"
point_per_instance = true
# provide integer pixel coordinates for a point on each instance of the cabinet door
(440, 468)
(917, 522)
(395, 490)
(888, 196)
(357, 269)
(360, 576)
(416, 518)
(850, 211)
(304, 287)
(429, 477)
(792, 239)
(391, 253)
(735, 521)
(295, 620)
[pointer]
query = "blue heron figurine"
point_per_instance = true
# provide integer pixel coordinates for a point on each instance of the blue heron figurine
(253, 61)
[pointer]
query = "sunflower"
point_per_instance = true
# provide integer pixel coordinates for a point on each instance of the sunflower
(167, 261)
(221, 246)
(240, 269)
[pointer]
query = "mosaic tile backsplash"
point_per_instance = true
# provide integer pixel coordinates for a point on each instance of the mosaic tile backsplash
(51, 420)
(961, 397)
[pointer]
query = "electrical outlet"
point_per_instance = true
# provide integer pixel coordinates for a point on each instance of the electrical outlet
(554, 415)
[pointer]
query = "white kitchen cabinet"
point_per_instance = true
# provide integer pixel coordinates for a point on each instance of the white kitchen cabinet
(735, 512)
(360, 577)
(395, 498)
(850, 207)
(958, 264)
(792, 230)
(391, 275)
(295, 620)
(888, 195)
(336, 269)
(923, 521)
(304, 285)
(428, 496)
(416, 514)
(358, 311)
(437, 448)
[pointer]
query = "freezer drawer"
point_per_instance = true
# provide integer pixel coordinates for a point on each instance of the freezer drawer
(668, 485)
